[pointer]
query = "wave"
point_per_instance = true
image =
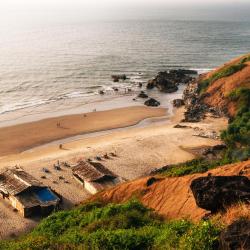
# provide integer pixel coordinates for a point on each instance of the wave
(6, 108)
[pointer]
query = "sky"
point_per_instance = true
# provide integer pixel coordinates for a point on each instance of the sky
(235, 10)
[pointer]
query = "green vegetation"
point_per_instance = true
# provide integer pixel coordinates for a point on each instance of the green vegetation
(225, 72)
(199, 165)
(245, 59)
(114, 226)
(237, 135)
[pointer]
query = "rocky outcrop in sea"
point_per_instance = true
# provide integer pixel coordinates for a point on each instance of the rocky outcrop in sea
(168, 81)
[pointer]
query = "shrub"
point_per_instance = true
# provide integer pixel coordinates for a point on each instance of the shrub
(114, 226)
(237, 135)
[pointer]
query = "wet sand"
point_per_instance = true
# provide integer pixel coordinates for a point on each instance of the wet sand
(18, 138)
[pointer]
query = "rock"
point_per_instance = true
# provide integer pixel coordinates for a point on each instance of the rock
(101, 92)
(185, 71)
(195, 109)
(151, 84)
(215, 193)
(207, 134)
(212, 153)
(236, 236)
(181, 126)
(151, 181)
(178, 103)
(142, 95)
(98, 158)
(115, 89)
(168, 81)
(116, 78)
(140, 85)
(152, 102)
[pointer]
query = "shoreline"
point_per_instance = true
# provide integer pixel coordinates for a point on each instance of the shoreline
(22, 137)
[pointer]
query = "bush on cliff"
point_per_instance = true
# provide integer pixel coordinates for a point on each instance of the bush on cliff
(115, 226)
(237, 135)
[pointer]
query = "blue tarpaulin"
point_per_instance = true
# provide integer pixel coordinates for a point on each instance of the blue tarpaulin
(45, 195)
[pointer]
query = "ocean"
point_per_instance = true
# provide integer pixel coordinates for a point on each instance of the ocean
(62, 67)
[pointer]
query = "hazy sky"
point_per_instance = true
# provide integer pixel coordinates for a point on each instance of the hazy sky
(128, 9)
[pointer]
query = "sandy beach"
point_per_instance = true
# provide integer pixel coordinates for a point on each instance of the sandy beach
(139, 150)
(28, 135)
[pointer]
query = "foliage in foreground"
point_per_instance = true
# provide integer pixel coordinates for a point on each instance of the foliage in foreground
(116, 226)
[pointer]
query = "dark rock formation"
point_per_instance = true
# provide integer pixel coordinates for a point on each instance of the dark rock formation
(215, 193)
(142, 95)
(152, 102)
(181, 126)
(195, 109)
(101, 92)
(236, 236)
(168, 81)
(115, 89)
(211, 153)
(116, 78)
(178, 103)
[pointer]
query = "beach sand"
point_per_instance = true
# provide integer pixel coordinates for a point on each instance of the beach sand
(139, 150)
(15, 139)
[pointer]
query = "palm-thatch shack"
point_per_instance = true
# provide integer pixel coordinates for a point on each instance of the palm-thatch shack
(94, 176)
(26, 194)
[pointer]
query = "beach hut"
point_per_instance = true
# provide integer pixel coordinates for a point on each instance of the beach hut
(26, 194)
(94, 177)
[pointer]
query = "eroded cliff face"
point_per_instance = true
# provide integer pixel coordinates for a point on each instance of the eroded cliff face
(214, 97)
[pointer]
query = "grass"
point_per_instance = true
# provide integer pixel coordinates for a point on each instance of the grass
(225, 72)
(116, 226)
(199, 165)
(235, 212)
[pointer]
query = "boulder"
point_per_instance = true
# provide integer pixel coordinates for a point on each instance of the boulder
(215, 193)
(168, 81)
(236, 236)
(181, 126)
(116, 78)
(151, 84)
(152, 102)
(178, 103)
(142, 95)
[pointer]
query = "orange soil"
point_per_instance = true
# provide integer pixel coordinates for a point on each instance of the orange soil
(219, 90)
(170, 197)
